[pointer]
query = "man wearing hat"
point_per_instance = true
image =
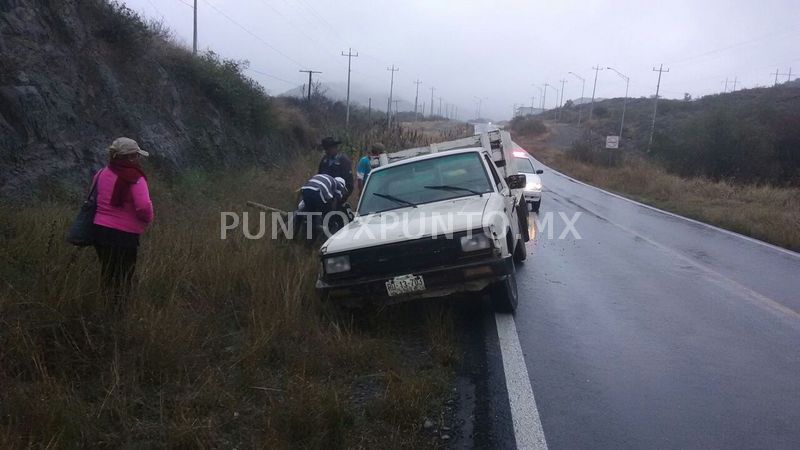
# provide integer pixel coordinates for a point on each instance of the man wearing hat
(336, 164)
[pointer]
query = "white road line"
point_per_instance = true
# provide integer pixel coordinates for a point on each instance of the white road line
(528, 430)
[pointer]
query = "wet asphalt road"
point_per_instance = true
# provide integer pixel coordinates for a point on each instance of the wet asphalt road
(655, 332)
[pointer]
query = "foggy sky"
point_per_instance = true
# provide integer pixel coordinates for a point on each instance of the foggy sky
(499, 49)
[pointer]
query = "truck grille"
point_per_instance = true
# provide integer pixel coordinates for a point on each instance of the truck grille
(405, 257)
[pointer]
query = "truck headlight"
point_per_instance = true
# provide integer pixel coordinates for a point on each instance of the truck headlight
(475, 242)
(533, 186)
(337, 264)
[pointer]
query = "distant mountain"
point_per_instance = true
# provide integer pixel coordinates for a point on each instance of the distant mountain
(358, 95)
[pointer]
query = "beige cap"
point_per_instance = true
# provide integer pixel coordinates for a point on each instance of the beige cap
(125, 146)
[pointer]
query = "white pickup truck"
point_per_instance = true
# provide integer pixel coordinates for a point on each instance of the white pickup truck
(432, 221)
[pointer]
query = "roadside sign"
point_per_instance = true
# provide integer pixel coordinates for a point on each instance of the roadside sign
(612, 141)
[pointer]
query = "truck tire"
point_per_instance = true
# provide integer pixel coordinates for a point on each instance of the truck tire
(519, 252)
(536, 206)
(522, 215)
(504, 293)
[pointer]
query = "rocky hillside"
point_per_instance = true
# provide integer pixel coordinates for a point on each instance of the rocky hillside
(78, 73)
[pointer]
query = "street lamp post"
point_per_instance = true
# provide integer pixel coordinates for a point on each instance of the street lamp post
(583, 85)
(624, 102)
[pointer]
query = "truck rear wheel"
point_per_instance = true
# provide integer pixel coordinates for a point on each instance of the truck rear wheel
(522, 214)
(504, 293)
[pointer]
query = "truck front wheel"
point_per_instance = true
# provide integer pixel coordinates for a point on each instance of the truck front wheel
(504, 293)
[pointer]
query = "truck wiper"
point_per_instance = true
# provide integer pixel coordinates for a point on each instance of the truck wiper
(447, 187)
(394, 199)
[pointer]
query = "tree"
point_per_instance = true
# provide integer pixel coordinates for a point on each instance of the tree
(687, 97)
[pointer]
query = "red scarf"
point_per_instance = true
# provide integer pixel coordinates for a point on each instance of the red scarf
(128, 172)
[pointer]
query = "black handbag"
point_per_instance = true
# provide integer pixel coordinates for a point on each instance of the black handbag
(81, 233)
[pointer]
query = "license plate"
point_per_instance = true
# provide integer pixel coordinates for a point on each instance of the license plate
(405, 284)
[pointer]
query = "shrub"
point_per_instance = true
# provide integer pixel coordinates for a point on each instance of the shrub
(120, 26)
(528, 125)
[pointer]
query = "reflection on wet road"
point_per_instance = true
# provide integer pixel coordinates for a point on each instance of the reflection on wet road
(653, 331)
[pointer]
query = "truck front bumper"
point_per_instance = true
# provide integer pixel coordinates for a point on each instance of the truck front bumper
(439, 282)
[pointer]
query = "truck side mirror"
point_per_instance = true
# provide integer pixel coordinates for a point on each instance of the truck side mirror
(539, 172)
(517, 181)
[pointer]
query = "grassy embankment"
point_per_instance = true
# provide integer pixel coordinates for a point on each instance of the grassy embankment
(223, 344)
(765, 212)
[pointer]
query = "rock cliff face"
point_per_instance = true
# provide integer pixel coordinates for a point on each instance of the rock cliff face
(75, 74)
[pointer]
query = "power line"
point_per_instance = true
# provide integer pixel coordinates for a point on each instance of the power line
(732, 46)
(293, 83)
(273, 48)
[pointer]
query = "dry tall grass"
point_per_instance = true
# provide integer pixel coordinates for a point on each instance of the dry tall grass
(768, 213)
(224, 343)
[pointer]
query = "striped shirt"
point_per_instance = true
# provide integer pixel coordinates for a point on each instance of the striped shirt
(325, 185)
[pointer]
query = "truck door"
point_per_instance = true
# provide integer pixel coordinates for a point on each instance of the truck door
(509, 200)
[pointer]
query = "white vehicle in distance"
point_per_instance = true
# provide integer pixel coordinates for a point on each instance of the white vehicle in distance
(390, 252)
(533, 185)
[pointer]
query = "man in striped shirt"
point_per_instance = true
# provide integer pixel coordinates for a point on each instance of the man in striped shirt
(322, 193)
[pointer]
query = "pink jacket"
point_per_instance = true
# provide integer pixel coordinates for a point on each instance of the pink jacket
(136, 211)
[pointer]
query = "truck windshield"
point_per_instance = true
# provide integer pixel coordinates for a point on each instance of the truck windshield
(425, 181)
(524, 165)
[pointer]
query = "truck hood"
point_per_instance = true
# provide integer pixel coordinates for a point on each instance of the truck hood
(403, 224)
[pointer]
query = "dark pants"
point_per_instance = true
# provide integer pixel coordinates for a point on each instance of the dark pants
(313, 204)
(117, 251)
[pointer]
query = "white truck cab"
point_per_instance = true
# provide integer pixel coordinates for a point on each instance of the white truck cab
(432, 221)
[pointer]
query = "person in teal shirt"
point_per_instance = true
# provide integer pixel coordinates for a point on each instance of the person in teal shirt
(365, 164)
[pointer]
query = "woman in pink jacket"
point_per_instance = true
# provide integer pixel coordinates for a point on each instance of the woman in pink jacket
(124, 210)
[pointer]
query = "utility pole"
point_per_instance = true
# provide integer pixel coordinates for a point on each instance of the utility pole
(583, 85)
(597, 69)
(440, 106)
(309, 72)
(392, 69)
(416, 98)
(431, 112)
(369, 111)
(350, 56)
(660, 70)
(624, 102)
(423, 109)
(194, 34)
(540, 96)
(480, 103)
(777, 72)
(735, 79)
(396, 109)
(544, 98)
(726, 86)
(561, 101)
